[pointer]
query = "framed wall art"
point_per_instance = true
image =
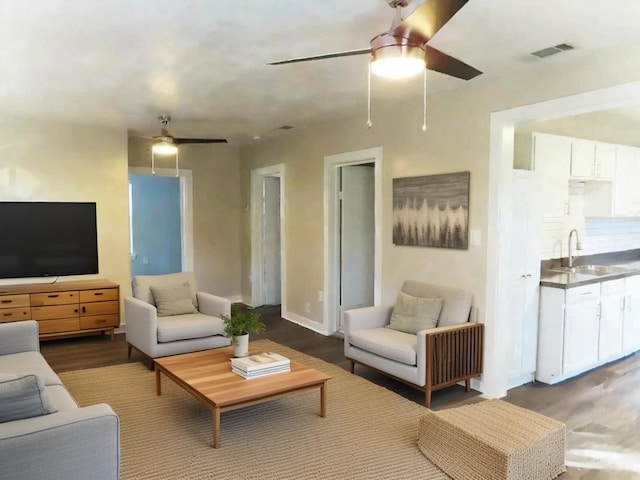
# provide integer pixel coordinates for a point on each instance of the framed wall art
(432, 211)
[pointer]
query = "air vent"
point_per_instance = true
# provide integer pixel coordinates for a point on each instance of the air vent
(285, 127)
(547, 52)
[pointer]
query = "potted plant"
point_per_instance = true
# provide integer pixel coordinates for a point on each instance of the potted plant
(239, 325)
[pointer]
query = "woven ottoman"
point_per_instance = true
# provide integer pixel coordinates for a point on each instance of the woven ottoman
(493, 440)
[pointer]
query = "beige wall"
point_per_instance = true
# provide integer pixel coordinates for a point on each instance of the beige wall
(217, 210)
(41, 161)
(457, 140)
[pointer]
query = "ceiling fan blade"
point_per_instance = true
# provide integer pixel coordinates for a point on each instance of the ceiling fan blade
(180, 141)
(443, 63)
(427, 18)
(348, 53)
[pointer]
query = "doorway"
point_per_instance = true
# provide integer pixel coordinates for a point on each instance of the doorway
(160, 221)
(267, 239)
(353, 221)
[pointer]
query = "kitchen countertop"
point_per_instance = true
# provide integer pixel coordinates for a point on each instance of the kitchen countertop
(572, 280)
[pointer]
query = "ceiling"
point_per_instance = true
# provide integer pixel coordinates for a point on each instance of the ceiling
(121, 63)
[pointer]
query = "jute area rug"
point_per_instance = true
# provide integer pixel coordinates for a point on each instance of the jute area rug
(369, 432)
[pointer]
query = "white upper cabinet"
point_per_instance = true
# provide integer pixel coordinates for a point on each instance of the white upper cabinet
(552, 158)
(592, 160)
(626, 191)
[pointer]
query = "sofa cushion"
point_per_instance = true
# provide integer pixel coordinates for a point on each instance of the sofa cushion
(60, 398)
(173, 299)
(456, 302)
(391, 344)
(412, 314)
(141, 284)
(23, 396)
(185, 327)
(31, 362)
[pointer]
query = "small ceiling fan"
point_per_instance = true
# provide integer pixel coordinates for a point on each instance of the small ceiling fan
(166, 144)
(403, 51)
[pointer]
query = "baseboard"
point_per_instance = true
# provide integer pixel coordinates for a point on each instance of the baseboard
(236, 298)
(305, 322)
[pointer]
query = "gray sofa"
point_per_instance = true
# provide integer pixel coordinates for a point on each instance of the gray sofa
(74, 443)
(160, 336)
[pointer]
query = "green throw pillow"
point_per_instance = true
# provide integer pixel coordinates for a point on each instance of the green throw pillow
(173, 299)
(412, 314)
(23, 396)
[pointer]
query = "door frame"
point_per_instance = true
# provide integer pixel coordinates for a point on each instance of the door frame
(186, 208)
(494, 383)
(257, 260)
(331, 294)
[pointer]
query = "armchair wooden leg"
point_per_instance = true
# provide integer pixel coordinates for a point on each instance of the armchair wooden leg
(151, 366)
(467, 384)
(352, 365)
(427, 397)
(129, 350)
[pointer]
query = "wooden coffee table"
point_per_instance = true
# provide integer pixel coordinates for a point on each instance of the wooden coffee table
(207, 376)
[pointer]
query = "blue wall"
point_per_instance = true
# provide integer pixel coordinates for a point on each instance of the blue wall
(157, 245)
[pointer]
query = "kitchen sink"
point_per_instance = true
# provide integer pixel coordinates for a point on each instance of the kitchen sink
(596, 270)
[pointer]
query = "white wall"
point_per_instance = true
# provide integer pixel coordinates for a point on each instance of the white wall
(45, 161)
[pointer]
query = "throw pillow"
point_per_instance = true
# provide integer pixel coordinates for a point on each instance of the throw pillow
(412, 314)
(23, 396)
(173, 299)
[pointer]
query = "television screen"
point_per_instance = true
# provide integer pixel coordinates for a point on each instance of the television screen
(44, 239)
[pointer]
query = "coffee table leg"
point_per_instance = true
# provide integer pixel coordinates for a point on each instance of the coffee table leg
(158, 386)
(216, 427)
(323, 399)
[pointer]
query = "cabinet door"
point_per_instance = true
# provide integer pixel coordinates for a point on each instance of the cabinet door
(611, 319)
(552, 158)
(581, 326)
(583, 158)
(626, 194)
(631, 327)
(605, 164)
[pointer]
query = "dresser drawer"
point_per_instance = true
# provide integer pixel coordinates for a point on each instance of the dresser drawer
(53, 298)
(15, 314)
(100, 295)
(99, 308)
(58, 325)
(12, 301)
(55, 311)
(99, 321)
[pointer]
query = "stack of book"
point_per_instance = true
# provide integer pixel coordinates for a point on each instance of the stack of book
(259, 365)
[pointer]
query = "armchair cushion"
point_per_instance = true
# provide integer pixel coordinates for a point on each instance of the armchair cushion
(141, 285)
(23, 396)
(186, 327)
(387, 343)
(176, 299)
(456, 302)
(412, 314)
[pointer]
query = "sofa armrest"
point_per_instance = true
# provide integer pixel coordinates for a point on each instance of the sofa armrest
(213, 305)
(78, 443)
(18, 337)
(367, 317)
(141, 323)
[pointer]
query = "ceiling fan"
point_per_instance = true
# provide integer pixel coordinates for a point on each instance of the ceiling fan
(166, 144)
(403, 51)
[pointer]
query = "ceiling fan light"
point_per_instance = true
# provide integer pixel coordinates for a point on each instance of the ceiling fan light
(397, 61)
(164, 147)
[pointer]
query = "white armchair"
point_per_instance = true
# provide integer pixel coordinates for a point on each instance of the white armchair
(160, 336)
(432, 358)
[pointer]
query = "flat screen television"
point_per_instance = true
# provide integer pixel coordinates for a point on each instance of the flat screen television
(46, 239)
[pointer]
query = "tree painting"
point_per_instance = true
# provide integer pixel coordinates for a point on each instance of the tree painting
(432, 211)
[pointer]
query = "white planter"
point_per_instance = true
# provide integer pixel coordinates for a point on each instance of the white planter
(241, 346)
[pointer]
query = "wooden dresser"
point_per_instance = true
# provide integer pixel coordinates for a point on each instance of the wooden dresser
(65, 308)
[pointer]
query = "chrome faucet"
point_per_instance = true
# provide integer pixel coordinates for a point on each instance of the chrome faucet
(578, 245)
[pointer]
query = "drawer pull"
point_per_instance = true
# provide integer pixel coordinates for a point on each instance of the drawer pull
(53, 296)
(6, 301)
(97, 294)
(101, 321)
(84, 309)
(6, 314)
(75, 311)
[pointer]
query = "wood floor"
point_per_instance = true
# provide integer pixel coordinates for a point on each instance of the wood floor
(601, 408)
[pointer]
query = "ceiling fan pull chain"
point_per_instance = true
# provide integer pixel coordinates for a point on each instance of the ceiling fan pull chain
(369, 124)
(177, 168)
(153, 163)
(424, 103)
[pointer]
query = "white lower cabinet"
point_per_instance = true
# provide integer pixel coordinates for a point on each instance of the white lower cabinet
(587, 326)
